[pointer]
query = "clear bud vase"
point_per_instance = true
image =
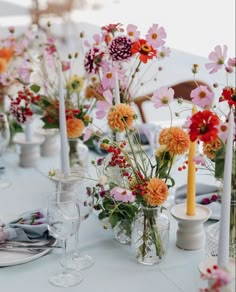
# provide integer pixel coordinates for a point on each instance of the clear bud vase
(150, 235)
(78, 155)
(122, 231)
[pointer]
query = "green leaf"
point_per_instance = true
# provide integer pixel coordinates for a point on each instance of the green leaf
(35, 88)
(113, 220)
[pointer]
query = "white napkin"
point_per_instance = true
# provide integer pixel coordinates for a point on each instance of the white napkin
(202, 191)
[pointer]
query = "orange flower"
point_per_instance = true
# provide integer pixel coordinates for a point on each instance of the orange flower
(3, 65)
(175, 139)
(156, 192)
(210, 148)
(74, 127)
(6, 53)
(120, 117)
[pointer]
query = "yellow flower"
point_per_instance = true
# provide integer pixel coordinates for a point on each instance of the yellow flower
(175, 139)
(120, 117)
(75, 84)
(74, 127)
(156, 192)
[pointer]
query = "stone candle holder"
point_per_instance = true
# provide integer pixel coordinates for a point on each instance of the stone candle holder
(29, 150)
(190, 233)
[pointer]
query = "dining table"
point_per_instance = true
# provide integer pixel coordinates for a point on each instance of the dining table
(115, 266)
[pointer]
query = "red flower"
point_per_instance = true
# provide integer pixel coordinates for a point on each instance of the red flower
(229, 94)
(204, 126)
(146, 51)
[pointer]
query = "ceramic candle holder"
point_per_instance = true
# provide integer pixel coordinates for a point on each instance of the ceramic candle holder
(29, 150)
(66, 183)
(190, 233)
(50, 146)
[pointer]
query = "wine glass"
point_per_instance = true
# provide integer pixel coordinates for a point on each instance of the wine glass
(64, 220)
(85, 196)
(4, 141)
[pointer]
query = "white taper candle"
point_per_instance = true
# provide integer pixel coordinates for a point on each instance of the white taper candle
(223, 248)
(117, 99)
(65, 164)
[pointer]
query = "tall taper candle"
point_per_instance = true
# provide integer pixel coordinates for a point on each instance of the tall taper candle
(117, 100)
(65, 164)
(116, 89)
(223, 248)
(191, 181)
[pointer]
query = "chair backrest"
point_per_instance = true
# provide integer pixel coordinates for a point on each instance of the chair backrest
(182, 89)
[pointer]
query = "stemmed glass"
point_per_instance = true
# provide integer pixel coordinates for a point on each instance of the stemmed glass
(4, 141)
(64, 220)
(85, 196)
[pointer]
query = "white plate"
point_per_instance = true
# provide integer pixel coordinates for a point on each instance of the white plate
(12, 258)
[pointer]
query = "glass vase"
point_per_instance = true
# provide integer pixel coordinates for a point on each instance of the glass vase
(212, 234)
(150, 235)
(78, 155)
(122, 231)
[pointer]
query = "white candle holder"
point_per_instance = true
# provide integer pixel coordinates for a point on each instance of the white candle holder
(66, 183)
(29, 150)
(190, 233)
(50, 146)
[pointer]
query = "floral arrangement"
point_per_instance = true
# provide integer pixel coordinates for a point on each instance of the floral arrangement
(35, 71)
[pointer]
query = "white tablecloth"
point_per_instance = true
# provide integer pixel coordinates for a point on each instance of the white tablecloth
(115, 269)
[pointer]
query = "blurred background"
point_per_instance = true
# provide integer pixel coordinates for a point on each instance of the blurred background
(192, 26)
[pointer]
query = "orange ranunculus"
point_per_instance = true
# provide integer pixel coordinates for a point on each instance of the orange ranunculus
(6, 53)
(120, 117)
(74, 127)
(175, 139)
(156, 192)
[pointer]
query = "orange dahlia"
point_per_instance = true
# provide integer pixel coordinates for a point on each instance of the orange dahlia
(120, 117)
(3, 65)
(74, 127)
(210, 148)
(156, 192)
(175, 139)
(6, 53)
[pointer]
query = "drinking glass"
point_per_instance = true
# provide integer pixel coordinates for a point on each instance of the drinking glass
(4, 141)
(64, 220)
(85, 196)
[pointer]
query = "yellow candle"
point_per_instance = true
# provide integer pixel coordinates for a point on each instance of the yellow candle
(191, 182)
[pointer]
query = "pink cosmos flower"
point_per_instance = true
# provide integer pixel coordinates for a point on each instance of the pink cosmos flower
(88, 132)
(155, 36)
(104, 105)
(122, 195)
(223, 131)
(164, 52)
(132, 31)
(3, 235)
(24, 71)
(108, 78)
(199, 159)
(218, 57)
(162, 96)
(65, 65)
(232, 62)
(202, 96)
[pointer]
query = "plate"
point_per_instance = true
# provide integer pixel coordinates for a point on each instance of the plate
(15, 257)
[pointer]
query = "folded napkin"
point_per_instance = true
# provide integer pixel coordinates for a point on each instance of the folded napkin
(28, 227)
(205, 194)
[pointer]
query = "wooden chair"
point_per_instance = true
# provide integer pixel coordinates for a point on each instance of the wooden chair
(54, 8)
(182, 90)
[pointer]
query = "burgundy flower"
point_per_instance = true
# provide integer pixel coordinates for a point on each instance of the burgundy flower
(93, 60)
(120, 48)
